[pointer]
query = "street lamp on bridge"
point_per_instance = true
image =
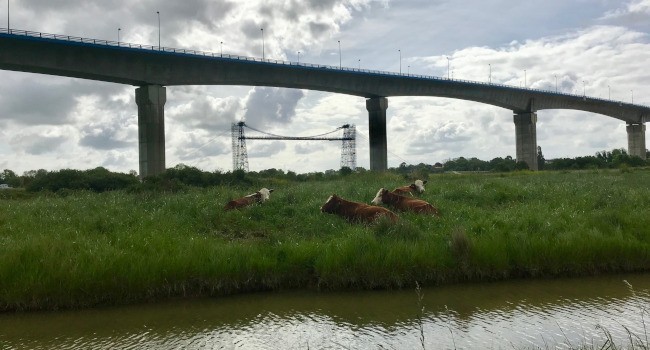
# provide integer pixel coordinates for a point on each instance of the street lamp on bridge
(340, 65)
(609, 92)
(158, 12)
(262, 29)
(118, 36)
(298, 56)
(447, 67)
(490, 74)
(525, 82)
(556, 83)
(400, 61)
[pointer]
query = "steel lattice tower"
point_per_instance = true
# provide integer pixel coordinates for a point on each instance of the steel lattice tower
(349, 147)
(239, 153)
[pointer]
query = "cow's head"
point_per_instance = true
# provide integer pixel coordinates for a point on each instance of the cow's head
(418, 186)
(264, 194)
(379, 197)
(331, 204)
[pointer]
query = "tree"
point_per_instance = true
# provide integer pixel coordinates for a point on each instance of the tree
(10, 178)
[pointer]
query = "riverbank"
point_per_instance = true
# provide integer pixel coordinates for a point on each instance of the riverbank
(83, 249)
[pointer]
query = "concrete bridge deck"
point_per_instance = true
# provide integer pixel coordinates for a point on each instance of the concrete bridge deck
(151, 68)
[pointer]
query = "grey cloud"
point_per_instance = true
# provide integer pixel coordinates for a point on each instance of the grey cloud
(50, 100)
(200, 147)
(110, 134)
(209, 114)
(308, 148)
(36, 144)
(449, 135)
(266, 106)
(266, 149)
(318, 29)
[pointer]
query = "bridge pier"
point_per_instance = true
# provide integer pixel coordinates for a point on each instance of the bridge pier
(376, 107)
(151, 128)
(526, 138)
(636, 140)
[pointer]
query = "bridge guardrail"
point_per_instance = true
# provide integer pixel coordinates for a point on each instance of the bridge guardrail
(123, 44)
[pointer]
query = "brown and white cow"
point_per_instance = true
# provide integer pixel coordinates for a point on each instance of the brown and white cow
(258, 197)
(417, 186)
(355, 211)
(404, 203)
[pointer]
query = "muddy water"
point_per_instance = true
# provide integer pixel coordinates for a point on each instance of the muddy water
(565, 313)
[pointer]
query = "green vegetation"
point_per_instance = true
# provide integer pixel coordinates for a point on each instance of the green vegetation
(80, 248)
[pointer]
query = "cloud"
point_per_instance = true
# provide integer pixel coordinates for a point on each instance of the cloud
(265, 149)
(269, 105)
(308, 148)
(38, 142)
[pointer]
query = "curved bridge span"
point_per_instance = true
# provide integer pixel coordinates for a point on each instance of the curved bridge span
(151, 68)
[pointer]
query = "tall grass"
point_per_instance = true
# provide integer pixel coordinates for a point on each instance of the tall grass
(79, 249)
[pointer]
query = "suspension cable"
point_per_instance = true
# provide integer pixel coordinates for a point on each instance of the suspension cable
(274, 135)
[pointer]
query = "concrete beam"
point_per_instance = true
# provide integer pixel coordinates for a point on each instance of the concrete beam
(151, 128)
(636, 140)
(376, 107)
(526, 138)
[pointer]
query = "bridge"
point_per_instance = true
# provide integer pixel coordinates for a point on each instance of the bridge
(151, 68)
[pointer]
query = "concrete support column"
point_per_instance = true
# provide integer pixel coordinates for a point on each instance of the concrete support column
(151, 128)
(526, 138)
(636, 140)
(376, 107)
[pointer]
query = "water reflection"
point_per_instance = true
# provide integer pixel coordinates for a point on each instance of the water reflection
(518, 314)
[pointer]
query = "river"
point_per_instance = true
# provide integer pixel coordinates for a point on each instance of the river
(522, 314)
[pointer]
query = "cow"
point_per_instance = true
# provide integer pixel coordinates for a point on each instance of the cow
(404, 203)
(258, 197)
(417, 187)
(357, 212)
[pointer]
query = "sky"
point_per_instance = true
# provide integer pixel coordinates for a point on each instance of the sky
(597, 47)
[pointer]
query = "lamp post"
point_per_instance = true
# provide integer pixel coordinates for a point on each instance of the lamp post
(298, 56)
(158, 12)
(447, 67)
(632, 91)
(340, 65)
(525, 81)
(400, 61)
(556, 83)
(609, 92)
(408, 70)
(221, 49)
(583, 89)
(118, 36)
(262, 29)
(359, 64)
(490, 73)
(8, 27)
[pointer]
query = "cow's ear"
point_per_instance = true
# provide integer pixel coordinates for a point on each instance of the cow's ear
(271, 190)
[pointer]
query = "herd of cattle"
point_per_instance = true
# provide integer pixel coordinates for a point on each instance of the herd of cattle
(400, 199)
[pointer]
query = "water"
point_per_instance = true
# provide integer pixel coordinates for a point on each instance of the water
(554, 314)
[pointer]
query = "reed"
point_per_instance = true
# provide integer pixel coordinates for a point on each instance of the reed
(81, 249)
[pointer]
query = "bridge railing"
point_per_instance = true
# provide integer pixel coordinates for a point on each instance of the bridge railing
(122, 44)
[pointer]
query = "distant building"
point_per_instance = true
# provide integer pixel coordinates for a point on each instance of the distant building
(4, 186)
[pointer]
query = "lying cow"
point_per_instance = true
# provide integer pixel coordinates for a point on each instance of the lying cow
(404, 203)
(257, 197)
(417, 187)
(355, 211)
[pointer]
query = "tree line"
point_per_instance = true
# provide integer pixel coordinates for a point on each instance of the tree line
(101, 179)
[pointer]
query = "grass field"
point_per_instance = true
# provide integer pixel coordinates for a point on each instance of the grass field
(82, 249)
